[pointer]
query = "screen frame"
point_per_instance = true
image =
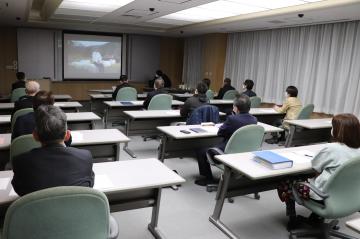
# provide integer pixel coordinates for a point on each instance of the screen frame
(95, 34)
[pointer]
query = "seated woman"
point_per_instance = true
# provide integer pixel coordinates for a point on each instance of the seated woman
(346, 135)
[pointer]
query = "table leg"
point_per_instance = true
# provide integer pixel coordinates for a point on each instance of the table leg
(126, 145)
(153, 225)
(290, 137)
(162, 147)
(220, 198)
(117, 151)
(106, 116)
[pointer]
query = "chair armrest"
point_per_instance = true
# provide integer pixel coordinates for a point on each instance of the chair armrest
(113, 228)
(211, 152)
(297, 197)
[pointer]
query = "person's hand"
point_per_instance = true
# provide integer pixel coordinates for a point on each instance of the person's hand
(276, 107)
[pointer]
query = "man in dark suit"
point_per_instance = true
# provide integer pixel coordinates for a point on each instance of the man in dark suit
(20, 81)
(52, 164)
(226, 87)
(240, 118)
(26, 101)
(195, 101)
(159, 89)
(124, 82)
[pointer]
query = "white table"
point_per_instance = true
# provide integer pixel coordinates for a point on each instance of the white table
(256, 177)
(62, 97)
(175, 143)
(128, 185)
(5, 123)
(103, 91)
(182, 97)
(354, 224)
(102, 143)
(7, 108)
(115, 109)
(308, 131)
(96, 101)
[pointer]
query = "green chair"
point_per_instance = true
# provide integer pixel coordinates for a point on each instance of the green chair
(340, 197)
(17, 93)
(19, 113)
(126, 94)
(22, 144)
(306, 112)
(60, 213)
(230, 95)
(160, 102)
(246, 139)
(210, 94)
(255, 101)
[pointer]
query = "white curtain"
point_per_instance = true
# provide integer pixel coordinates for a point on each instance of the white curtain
(192, 65)
(322, 61)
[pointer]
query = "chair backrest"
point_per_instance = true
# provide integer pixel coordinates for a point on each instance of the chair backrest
(306, 112)
(343, 190)
(58, 213)
(22, 144)
(210, 94)
(127, 94)
(230, 95)
(204, 113)
(246, 139)
(255, 101)
(17, 93)
(19, 113)
(160, 102)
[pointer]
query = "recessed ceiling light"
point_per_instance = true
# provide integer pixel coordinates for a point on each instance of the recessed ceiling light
(94, 5)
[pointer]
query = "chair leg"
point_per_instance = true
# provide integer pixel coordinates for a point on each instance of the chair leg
(257, 196)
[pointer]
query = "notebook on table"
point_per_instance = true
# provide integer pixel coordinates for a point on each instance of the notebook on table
(126, 102)
(272, 160)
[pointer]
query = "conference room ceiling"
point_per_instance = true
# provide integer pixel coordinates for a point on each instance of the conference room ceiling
(174, 17)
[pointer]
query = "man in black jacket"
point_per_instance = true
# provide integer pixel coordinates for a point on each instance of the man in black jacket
(226, 87)
(20, 81)
(52, 164)
(159, 89)
(162, 75)
(26, 101)
(195, 101)
(124, 82)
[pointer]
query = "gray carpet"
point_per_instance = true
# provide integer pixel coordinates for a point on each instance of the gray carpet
(184, 213)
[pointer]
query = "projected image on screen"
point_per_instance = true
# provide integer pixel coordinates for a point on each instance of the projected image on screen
(92, 57)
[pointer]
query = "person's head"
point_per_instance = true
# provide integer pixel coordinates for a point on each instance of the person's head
(50, 125)
(346, 130)
(201, 88)
(291, 91)
(159, 73)
(207, 81)
(159, 83)
(248, 84)
(43, 98)
(227, 81)
(241, 104)
(32, 87)
(20, 76)
(123, 79)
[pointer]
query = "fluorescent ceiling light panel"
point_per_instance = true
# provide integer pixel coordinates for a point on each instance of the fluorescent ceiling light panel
(271, 4)
(94, 5)
(232, 8)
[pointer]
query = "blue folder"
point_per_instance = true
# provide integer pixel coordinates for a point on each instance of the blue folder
(272, 160)
(126, 102)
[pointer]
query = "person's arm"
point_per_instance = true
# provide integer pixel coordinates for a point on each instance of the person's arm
(147, 100)
(185, 109)
(283, 108)
(220, 94)
(17, 181)
(114, 94)
(323, 160)
(226, 128)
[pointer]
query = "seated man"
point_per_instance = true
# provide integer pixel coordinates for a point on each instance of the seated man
(20, 81)
(52, 164)
(292, 107)
(159, 89)
(160, 74)
(123, 82)
(240, 118)
(226, 87)
(248, 86)
(25, 124)
(26, 101)
(195, 101)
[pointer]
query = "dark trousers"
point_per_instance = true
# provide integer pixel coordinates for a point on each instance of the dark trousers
(204, 165)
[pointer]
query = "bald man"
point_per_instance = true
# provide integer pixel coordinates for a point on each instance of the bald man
(26, 101)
